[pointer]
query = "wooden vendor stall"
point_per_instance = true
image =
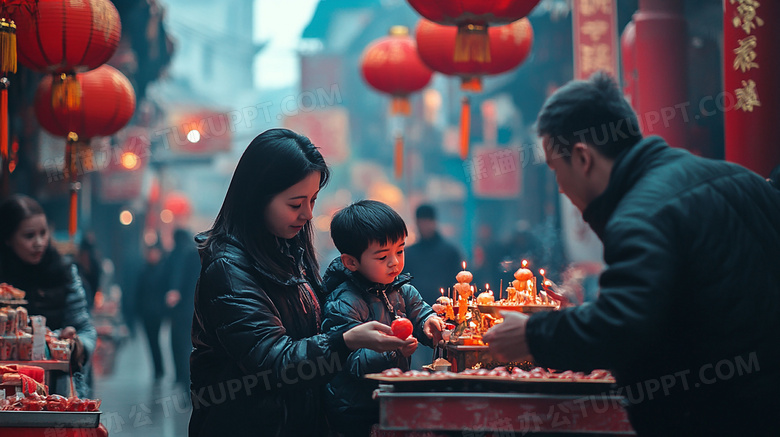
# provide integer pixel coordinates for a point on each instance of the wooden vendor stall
(457, 404)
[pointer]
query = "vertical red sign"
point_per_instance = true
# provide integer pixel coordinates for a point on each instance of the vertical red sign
(595, 37)
(750, 72)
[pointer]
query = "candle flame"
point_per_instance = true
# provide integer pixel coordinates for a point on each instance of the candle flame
(524, 263)
(441, 290)
(541, 272)
(487, 286)
(464, 265)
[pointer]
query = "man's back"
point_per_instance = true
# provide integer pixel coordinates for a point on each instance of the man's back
(690, 302)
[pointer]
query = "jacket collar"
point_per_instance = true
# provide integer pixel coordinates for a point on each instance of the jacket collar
(629, 167)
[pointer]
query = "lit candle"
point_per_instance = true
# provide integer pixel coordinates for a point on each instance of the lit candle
(464, 275)
(441, 291)
(500, 288)
(544, 279)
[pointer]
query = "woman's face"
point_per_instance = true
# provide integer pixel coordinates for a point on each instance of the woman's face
(31, 239)
(291, 209)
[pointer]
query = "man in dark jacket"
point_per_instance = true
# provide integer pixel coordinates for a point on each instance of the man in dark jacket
(689, 308)
(184, 268)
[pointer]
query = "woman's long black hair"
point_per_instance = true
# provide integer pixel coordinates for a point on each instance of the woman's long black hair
(52, 271)
(274, 161)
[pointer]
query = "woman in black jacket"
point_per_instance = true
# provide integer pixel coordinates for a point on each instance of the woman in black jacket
(52, 285)
(260, 361)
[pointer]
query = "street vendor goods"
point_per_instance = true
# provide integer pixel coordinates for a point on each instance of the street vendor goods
(537, 373)
(9, 292)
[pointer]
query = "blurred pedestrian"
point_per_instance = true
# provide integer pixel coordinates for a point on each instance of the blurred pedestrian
(53, 287)
(89, 266)
(432, 261)
(150, 301)
(184, 268)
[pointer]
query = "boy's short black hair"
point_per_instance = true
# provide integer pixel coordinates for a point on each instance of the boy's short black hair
(354, 227)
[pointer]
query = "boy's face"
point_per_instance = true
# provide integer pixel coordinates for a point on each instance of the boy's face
(380, 263)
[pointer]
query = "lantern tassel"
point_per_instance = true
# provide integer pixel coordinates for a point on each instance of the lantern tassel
(472, 44)
(7, 46)
(400, 106)
(398, 153)
(465, 122)
(471, 83)
(4, 122)
(71, 155)
(66, 92)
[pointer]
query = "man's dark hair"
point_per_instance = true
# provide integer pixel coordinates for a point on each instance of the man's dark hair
(591, 111)
(425, 211)
(358, 225)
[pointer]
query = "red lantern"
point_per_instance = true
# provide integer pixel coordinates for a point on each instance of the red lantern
(108, 103)
(510, 44)
(392, 65)
(65, 37)
(472, 18)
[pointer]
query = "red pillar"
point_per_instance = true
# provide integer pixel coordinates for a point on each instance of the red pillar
(751, 95)
(661, 43)
(628, 63)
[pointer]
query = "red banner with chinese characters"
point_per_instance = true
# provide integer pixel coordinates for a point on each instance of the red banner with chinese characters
(495, 172)
(751, 94)
(595, 37)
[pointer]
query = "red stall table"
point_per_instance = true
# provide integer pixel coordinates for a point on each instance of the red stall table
(438, 404)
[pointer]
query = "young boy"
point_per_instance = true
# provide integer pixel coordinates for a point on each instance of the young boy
(363, 284)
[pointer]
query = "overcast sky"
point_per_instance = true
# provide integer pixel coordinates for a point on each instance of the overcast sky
(281, 22)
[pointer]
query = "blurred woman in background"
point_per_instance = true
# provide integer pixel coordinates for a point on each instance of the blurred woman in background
(52, 284)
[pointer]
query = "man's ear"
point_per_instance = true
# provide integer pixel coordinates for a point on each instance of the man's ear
(350, 262)
(582, 157)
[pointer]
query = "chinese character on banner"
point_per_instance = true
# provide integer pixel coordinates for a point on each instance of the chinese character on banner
(595, 37)
(497, 172)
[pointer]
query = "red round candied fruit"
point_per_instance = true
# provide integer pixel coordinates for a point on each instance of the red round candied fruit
(402, 328)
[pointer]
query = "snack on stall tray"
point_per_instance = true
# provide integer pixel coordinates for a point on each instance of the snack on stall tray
(537, 373)
(9, 292)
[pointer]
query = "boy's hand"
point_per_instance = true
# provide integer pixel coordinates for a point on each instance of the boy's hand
(433, 328)
(375, 336)
(409, 349)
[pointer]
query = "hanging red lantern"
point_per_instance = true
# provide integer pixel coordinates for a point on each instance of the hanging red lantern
(65, 37)
(472, 18)
(392, 65)
(108, 103)
(511, 44)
